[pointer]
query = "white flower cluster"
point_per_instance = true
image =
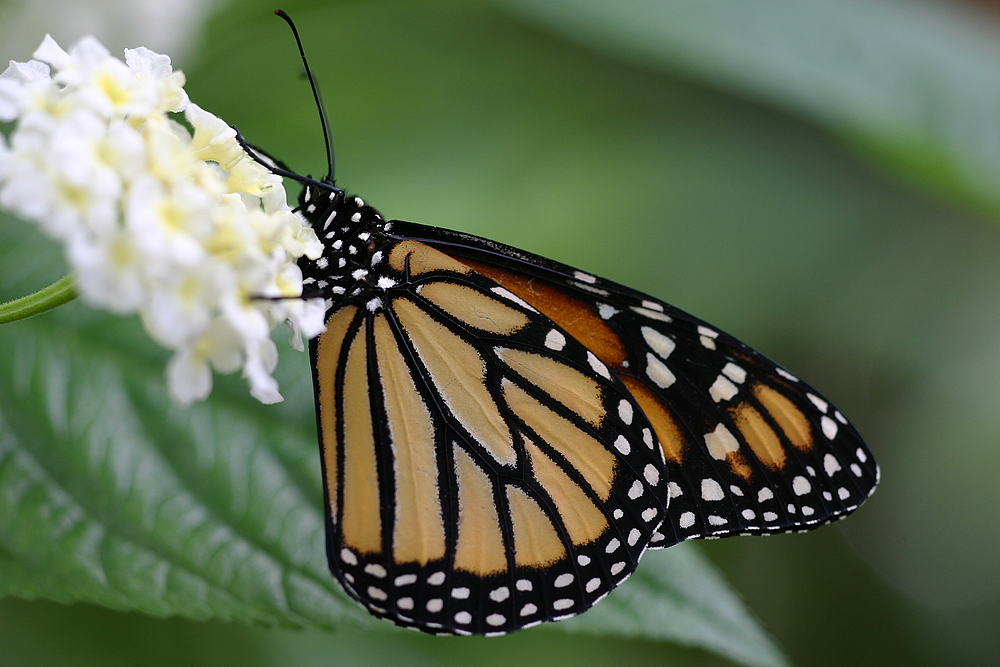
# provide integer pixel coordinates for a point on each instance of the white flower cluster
(187, 231)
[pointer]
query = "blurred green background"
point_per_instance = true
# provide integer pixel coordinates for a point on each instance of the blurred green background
(820, 179)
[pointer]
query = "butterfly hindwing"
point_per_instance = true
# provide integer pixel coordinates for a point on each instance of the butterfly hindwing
(485, 470)
(749, 447)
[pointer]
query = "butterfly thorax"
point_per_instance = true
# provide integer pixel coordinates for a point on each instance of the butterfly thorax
(352, 267)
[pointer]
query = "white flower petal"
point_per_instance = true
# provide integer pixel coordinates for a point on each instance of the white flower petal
(49, 51)
(187, 231)
(27, 72)
(257, 371)
(308, 322)
(189, 377)
(146, 64)
(213, 139)
(109, 272)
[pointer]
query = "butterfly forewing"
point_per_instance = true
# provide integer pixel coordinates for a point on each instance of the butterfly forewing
(749, 448)
(485, 470)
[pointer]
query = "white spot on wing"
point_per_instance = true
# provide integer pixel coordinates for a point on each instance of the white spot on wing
(651, 474)
(658, 372)
(801, 486)
(722, 389)
(510, 296)
(829, 427)
(659, 343)
(589, 288)
(598, 365)
(625, 411)
(554, 340)
(721, 442)
(606, 311)
(375, 570)
(711, 490)
(831, 464)
(820, 404)
(647, 437)
(686, 520)
(785, 374)
(653, 314)
(734, 373)
(584, 277)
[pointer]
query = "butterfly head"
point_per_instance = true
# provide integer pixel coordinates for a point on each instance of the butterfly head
(352, 234)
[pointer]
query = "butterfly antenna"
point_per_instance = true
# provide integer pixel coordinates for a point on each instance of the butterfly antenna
(331, 155)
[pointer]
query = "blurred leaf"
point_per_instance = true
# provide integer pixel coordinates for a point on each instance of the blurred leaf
(109, 494)
(914, 83)
(677, 595)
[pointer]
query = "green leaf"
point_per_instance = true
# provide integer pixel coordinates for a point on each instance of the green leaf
(915, 84)
(111, 495)
(678, 596)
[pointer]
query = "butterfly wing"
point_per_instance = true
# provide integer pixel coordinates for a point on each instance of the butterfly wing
(485, 470)
(749, 447)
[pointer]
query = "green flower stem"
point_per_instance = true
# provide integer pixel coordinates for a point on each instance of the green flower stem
(47, 298)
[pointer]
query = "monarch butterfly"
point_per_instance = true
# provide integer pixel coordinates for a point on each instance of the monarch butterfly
(503, 436)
